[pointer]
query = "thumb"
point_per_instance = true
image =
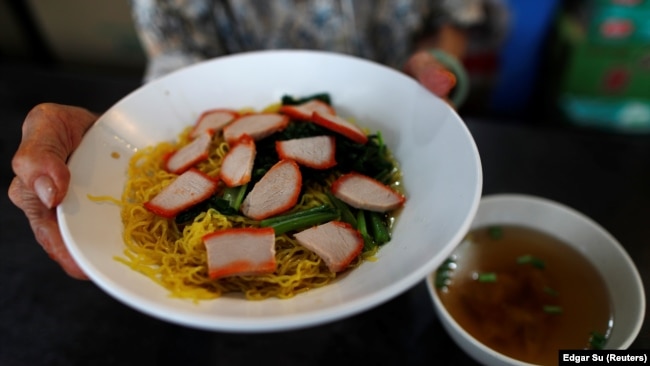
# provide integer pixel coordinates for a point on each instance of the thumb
(44, 224)
(50, 133)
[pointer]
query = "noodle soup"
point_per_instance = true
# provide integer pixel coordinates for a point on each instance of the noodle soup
(525, 294)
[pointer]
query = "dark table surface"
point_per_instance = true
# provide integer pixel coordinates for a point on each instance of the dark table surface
(47, 318)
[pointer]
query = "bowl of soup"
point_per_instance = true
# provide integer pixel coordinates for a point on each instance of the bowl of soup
(532, 277)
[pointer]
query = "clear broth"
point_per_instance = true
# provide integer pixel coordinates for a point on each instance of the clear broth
(522, 310)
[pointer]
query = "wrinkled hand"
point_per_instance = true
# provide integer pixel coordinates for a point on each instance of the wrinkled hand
(435, 77)
(50, 133)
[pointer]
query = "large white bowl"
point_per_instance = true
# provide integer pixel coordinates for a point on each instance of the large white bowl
(437, 155)
(583, 234)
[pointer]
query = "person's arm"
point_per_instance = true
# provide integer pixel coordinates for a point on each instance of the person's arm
(51, 132)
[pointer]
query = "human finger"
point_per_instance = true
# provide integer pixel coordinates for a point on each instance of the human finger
(432, 74)
(50, 133)
(44, 224)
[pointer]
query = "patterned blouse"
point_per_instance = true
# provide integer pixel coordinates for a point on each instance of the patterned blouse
(176, 33)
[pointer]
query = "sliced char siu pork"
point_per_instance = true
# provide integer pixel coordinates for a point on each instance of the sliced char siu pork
(318, 152)
(336, 242)
(213, 121)
(255, 125)
(187, 190)
(237, 165)
(363, 192)
(240, 252)
(189, 155)
(305, 110)
(340, 125)
(277, 191)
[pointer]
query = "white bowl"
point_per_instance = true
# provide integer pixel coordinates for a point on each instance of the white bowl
(437, 155)
(583, 234)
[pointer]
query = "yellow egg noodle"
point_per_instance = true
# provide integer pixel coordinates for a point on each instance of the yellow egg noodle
(175, 256)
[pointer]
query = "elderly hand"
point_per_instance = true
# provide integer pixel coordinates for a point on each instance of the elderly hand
(50, 133)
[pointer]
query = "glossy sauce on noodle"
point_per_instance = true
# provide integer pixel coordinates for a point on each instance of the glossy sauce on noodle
(524, 293)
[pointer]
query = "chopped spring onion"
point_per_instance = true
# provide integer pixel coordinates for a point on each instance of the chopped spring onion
(597, 340)
(552, 309)
(487, 277)
(495, 232)
(532, 260)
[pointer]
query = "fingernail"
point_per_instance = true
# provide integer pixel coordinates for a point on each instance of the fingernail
(45, 190)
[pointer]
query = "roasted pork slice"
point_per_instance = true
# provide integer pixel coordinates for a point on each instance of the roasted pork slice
(276, 192)
(336, 242)
(363, 192)
(237, 165)
(305, 110)
(187, 190)
(240, 252)
(340, 125)
(213, 121)
(255, 125)
(318, 152)
(189, 155)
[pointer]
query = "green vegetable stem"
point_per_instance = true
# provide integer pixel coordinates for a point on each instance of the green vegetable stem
(301, 219)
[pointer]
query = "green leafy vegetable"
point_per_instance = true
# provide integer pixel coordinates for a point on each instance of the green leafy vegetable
(378, 228)
(368, 243)
(344, 209)
(301, 219)
(289, 100)
(235, 196)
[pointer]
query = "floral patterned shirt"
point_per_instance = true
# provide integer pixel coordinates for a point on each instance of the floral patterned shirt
(176, 33)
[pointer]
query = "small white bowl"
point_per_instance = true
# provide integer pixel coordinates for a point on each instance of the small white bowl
(583, 234)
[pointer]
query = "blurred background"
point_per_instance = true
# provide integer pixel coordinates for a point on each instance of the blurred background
(577, 62)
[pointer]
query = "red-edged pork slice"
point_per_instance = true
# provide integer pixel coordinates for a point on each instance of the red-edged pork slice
(305, 110)
(336, 242)
(363, 192)
(189, 155)
(185, 191)
(255, 125)
(237, 165)
(318, 152)
(213, 121)
(277, 191)
(340, 125)
(240, 252)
